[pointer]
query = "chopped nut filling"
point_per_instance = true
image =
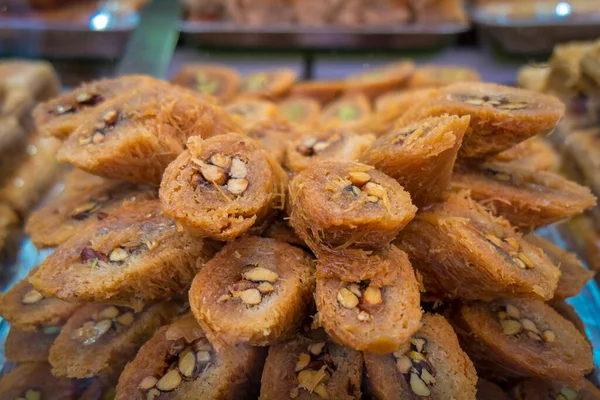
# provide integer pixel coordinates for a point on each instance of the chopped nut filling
(415, 366)
(108, 122)
(313, 147)
(501, 103)
(512, 248)
(186, 362)
(222, 170)
(567, 394)
(313, 370)
(109, 318)
(87, 209)
(360, 296)
(206, 84)
(32, 297)
(514, 325)
(256, 283)
(31, 394)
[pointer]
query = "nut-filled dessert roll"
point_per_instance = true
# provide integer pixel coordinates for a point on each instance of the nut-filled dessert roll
(435, 76)
(431, 366)
(462, 250)
(368, 300)
(23, 347)
(35, 381)
(522, 338)
(420, 156)
(312, 368)
(302, 111)
(350, 112)
(223, 186)
(540, 389)
(133, 256)
(347, 204)
(255, 291)
(528, 199)
(501, 116)
(215, 80)
(99, 339)
(271, 84)
(377, 81)
(178, 362)
(134, 137)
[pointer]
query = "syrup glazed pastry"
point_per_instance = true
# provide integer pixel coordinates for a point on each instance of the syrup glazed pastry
(330, 144)
(35, 381)
(302, 111)
(487, 390)
(215, 80)
(347, 205)
(26, 185)
(221, 187)
(178, 362)
(536, 154)
(249, 112)
(351, 112)
(573, 275)
(462, 250)
(430, 366)
(436, 76)
(312, 369)
(375, 82)
(538, 389)
(528, 199)
(368, 301)
(255, 291)
(30, 346)
(133, 256)
(501, 116)
(38, 78)
(522, 338)
(269, 84)
(322, 91)
(392, 105)
(75, 210)
(28, 310)
(420, 156)
(62, 115)
(99, 339)
(135, 137)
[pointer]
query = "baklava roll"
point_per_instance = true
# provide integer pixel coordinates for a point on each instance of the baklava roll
(322, 91)
(23, 347)
(540, 389)
(31, 381)
(462, 250)
(312, 368)
(254, 291)
(28, 310)
(223, 186)
(510, 338)
(528, 199)
(431, 366)
(347, 205)
(100, 339)
(501, 116)
(325, 145)
(134, 137)
(392, 105)
(573, 275)
(133, 256)
(377, 81)
(37, 77)
(435, 76)
(271, 84)
(302, 111)
(350, 112)
(420, 156)
(368, 300)
(178, 362)
(535, 153)
(214, 80)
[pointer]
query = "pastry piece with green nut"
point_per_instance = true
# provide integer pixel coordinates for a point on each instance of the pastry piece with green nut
(178, 362)
(26, 309)
(134, 137)
(346, 204)
(34, 381)
(539, 389)
(333, 144)
(510, 338)
(368, 300)
(430, 366)
(215, 80)
(377, 81)
(573, 275)
(302, 111)
(100, 339)
(312, 367)
(134, 256)
(501, 116)
(528, 199)
(463, 251)
(270, 84)
(223, 186)
(420, 156)
(255, 291)
(350, 112)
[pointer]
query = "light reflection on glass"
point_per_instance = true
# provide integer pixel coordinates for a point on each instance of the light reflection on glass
(99, 22)
(563, 9)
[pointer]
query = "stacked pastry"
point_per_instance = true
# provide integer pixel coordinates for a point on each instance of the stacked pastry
(267, 248)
